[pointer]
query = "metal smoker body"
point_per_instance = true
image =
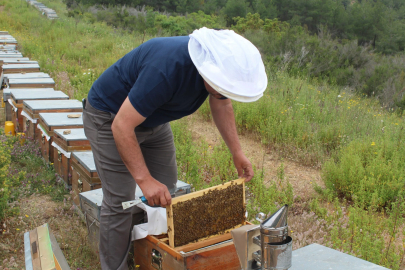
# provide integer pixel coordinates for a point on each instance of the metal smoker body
(266, 246)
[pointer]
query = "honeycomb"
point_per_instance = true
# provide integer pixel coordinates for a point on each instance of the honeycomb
(212, 213)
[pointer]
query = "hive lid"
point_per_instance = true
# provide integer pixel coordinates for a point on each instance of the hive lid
(30, 75)
(53, 104)
(19, 95)
(14, 58)
(86, 159)
(7, 91)
(60, 119)
(19, 66)
(276, 220)
(9, 52)
(31, 81)
(76, 134)
(17, 55)
(8, 61)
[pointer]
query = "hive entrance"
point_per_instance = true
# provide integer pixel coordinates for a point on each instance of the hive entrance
(206, 213)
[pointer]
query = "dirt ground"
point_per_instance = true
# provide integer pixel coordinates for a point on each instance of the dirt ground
(301, 178)
(65, 224)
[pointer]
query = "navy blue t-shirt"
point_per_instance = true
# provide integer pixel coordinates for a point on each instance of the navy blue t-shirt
(159, 78)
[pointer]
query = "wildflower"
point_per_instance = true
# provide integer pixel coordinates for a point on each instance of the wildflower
(26, 216)
(373, 143)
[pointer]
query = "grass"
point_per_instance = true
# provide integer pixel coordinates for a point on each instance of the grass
(356, 143)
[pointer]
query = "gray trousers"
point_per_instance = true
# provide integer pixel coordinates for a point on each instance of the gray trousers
(117, 183)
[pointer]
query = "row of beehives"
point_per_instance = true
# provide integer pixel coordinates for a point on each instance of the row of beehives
(48, 117)
(48, 12)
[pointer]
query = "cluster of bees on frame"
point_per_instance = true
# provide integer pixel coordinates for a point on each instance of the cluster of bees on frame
(212, 213)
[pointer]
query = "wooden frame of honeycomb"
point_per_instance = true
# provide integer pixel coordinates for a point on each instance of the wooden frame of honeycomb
(207, 213)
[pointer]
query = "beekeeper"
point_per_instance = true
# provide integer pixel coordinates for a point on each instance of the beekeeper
(127, 113)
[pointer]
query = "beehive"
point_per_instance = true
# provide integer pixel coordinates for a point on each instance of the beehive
(10, 54)
(7, 96)
(18, 68)
(31, 83)
(30, 75)
(204, 214)
(19, 96)
(84, 174)
(48, 122)
(4, 60)
(32, 108)
(66, 141)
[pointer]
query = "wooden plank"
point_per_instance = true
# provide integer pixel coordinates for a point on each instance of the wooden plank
(35, 254)
(60, 261)
(215, 239)
(143, 255)
(27, 251)
(200, 193)
(169, 209)
(44, 241)
(223, 257)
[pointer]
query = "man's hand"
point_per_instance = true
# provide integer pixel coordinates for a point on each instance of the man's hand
(155, 192)
(243, 166)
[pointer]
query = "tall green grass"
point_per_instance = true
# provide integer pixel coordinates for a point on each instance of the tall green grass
(69, 50)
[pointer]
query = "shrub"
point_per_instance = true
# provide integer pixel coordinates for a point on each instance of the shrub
(370, 173)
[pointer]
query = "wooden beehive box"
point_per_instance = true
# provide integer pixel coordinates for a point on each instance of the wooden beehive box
(84, 174)
(42, 251)
(3, 61)
(32, 108)
(90, 205)
(8, 47)
(30, 75)
(17, 68)
(67, 141)
(153, 253)
(7, 96)
(10, 54)
(18, 97)
(31, 83)
(48, 122)
(8, 41)
(17, 61)
(212, 252)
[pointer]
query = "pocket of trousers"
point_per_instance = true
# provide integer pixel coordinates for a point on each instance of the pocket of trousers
(100, 119)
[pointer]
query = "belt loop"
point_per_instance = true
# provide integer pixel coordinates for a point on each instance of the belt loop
(84, 103)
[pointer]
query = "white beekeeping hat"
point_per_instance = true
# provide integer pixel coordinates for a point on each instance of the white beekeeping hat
(229, 63)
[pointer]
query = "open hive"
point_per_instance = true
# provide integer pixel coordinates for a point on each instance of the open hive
(207, 213)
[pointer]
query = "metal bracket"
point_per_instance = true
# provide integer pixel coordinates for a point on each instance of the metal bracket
(27, 123)
(43, 139)
(59, 156)
(157, 259)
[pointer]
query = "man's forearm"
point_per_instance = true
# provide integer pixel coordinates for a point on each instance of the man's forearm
(222, 113)
(130, 152)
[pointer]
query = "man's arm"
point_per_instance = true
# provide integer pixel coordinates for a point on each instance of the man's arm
(222, 112)
(123, 129)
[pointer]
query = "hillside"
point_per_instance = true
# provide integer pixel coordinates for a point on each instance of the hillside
(334, 154)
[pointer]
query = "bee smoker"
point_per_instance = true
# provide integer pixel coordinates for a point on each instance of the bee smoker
(266, 246)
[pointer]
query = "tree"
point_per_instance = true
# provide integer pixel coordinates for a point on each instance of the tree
(266, 8)
(234, 8)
